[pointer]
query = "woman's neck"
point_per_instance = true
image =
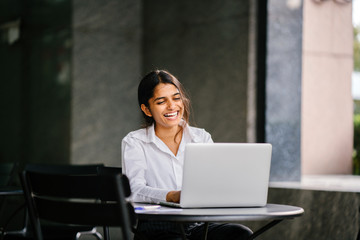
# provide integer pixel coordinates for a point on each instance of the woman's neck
(171, 137)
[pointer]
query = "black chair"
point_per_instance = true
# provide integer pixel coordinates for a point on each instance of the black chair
(7, 176)
(68, 169)
(58, 231)
(82, 200)
(102, 170)
(10, 187)
(126, 186)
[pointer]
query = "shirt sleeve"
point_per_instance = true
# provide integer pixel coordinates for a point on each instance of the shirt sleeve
(207, 137)
(134, 166)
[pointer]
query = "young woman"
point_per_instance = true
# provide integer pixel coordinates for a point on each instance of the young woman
(152, 157)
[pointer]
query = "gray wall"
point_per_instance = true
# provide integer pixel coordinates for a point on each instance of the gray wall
(106, 70)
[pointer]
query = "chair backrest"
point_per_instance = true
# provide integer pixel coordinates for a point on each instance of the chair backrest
(76, 198)
(115, 170)
(107, 170)
(80, 169)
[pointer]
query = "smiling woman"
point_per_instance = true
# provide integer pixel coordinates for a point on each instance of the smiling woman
(153, 157)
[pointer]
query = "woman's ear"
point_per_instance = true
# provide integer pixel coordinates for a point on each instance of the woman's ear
(146, 110)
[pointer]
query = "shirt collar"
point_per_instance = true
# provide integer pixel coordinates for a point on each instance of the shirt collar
(146, 135)
(190, 132)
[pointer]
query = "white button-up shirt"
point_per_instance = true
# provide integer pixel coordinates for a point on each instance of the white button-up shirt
(152, 168)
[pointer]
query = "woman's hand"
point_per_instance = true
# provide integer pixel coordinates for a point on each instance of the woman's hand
(173, 196)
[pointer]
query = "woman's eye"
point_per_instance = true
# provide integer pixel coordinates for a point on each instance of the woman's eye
(159, 103)
(177, 99)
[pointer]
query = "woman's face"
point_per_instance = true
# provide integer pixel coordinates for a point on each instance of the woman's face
(166, 106)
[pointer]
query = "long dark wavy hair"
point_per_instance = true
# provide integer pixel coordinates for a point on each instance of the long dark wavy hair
(146, 91)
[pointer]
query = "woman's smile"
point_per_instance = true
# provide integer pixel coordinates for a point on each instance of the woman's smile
(172, 116)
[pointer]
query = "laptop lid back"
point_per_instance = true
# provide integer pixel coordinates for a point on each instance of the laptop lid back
(225, 175)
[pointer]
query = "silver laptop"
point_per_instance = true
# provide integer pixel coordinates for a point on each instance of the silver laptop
(225, 175)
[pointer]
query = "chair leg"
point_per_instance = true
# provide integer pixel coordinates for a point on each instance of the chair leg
(106, 233)
(206, 228)
(182, 230)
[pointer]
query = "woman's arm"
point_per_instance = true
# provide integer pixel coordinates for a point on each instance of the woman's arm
(134, 166)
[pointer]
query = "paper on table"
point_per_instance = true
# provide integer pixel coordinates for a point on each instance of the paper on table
(148, 208)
